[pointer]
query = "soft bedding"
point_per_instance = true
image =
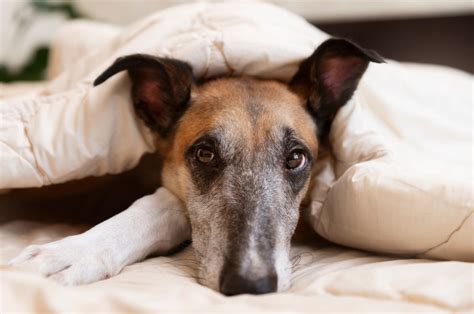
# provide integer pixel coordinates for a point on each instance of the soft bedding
(398, 180)
(326, 278)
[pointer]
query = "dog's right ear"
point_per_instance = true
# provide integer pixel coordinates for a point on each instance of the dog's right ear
(329, 77)
(161, 88)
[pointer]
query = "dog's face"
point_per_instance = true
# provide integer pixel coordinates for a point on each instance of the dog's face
(239, 153)
(241, 160)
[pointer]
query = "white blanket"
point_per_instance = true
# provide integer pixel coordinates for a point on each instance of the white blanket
(400, 180)
(326, 278)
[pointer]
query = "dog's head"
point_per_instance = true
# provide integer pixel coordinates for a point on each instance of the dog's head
(239, 153)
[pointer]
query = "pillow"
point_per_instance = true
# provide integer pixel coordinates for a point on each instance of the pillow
(400, 179)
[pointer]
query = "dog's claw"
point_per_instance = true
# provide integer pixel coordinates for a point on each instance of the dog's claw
(28, 253)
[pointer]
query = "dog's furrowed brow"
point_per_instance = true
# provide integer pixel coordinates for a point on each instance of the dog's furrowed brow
(215, 138)
(292, 140)
(207, 138)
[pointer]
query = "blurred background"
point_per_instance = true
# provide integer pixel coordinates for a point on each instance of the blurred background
(428, 31)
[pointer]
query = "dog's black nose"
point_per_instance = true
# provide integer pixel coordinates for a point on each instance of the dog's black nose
(233, 284)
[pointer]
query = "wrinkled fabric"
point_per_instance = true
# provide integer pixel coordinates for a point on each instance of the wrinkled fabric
(401, 180)
(69, 130)
(325, 278)
(400, 177)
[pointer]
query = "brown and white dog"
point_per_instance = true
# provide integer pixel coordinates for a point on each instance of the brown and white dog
(238, 154)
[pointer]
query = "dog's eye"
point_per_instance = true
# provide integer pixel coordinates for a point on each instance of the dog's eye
(296, 160)
(204, 155)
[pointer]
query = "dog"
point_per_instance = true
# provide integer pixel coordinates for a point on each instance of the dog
(238, 157)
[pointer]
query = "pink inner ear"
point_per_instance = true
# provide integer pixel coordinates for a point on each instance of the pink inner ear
(336, 72)
(149, 91)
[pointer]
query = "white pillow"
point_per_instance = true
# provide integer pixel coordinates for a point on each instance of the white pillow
(401, 177)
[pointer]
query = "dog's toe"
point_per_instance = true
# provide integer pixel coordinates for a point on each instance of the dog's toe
(69, 261)
(50, 263)
(84, 271)
(25, 255)
(44, 260)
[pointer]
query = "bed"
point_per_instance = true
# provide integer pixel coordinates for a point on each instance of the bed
(392, 205)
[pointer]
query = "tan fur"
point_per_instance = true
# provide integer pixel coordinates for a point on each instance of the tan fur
(247, 107)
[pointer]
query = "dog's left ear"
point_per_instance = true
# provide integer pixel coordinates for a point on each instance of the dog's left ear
(161, 88)
(329, 77)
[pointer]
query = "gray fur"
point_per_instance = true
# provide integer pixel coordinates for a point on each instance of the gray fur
(244, 222)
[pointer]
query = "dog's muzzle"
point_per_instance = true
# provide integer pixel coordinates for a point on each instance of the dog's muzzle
(233, 283)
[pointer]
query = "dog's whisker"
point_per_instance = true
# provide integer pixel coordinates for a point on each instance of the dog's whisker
(189, 276)
(297, 276)
(188, 267)
(182, 261)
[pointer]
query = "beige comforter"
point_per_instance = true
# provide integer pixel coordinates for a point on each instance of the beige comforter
(326, 278)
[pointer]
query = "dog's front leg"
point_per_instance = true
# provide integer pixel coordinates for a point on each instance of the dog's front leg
(154, 224)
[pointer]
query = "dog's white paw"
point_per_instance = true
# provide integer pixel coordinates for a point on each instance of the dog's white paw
(73, 260)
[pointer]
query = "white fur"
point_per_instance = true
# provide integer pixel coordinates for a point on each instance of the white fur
(154, 223)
